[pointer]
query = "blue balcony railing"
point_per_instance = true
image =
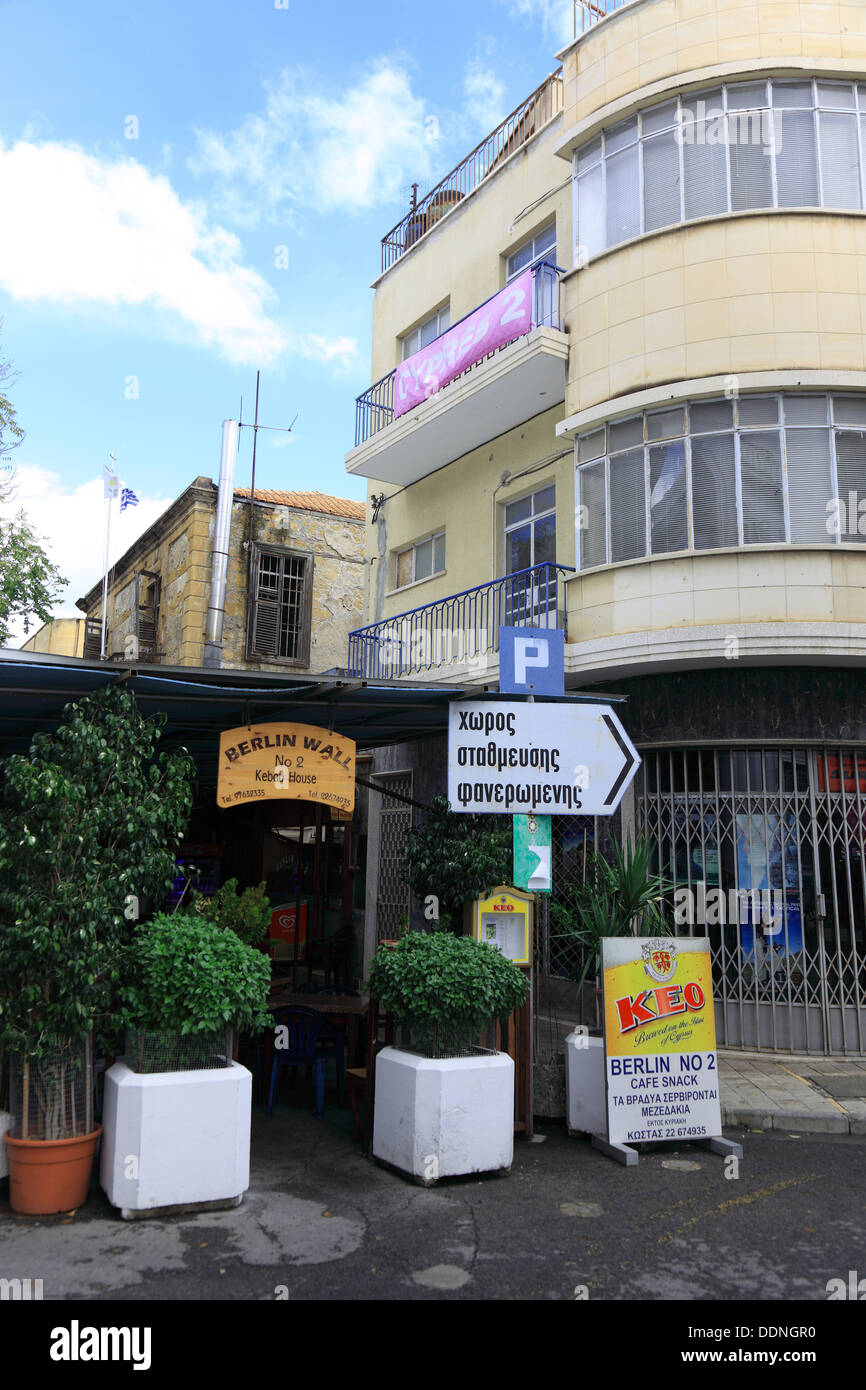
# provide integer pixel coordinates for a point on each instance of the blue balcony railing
(375, 409)
(461, 630)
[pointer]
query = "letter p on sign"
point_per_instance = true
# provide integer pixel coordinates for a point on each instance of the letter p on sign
(531, 661)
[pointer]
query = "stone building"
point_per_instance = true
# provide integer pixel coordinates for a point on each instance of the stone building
(294, 584)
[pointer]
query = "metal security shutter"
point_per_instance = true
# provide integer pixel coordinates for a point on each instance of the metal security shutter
(714, 491)
(840, 159)
(763, 497)
(395, 822)
(809, 485)
(627, 506)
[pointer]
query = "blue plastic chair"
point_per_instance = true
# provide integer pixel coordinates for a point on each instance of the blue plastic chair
(306, 1045)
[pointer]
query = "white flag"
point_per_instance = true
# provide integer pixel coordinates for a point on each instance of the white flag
(111, 483)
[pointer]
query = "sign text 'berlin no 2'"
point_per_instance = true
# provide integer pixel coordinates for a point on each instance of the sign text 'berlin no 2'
(299, 762)
(508, 757)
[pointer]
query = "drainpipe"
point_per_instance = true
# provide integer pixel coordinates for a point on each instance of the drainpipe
(225, 498)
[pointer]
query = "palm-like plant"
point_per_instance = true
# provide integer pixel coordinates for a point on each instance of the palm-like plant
(619, 895)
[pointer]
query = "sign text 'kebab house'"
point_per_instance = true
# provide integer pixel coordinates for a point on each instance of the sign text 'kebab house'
(298, 762)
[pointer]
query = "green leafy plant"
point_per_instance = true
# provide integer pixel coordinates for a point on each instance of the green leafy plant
(185, 975)
(456, 857)
(445, 988)
(618, 896)
(90, 819)
(247, 914)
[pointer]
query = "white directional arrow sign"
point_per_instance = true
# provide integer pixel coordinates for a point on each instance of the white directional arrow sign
(510, 757)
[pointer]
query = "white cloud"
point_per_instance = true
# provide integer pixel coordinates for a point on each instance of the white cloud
(78, 229)
(312, 147)
(485, 96)
(72, 522)
(555, 16)
(341, 351)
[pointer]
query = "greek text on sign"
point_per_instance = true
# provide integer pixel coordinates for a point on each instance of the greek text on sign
(660, 1039)
(297, 762)
(508, 315)
(512, 758)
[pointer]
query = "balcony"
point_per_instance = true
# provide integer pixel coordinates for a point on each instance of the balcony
(495, 393)
(518, 128)
(459, 635)
(587, 13)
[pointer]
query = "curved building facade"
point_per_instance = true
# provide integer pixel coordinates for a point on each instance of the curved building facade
(716, 398)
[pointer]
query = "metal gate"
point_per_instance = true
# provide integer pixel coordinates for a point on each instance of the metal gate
(395, 821)
(766, 849)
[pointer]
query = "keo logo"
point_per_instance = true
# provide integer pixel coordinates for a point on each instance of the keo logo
(531, 661)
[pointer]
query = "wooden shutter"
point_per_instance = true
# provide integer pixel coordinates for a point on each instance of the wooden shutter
(147, 594)
(267, 583)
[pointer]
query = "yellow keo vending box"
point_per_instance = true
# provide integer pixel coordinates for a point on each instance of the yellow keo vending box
(503, 918)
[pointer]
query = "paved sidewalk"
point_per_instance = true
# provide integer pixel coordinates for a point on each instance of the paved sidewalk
(816, 1095)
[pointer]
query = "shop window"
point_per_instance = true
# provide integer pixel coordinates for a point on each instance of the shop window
(279, 614)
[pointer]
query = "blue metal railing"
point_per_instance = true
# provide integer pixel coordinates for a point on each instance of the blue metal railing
(375, 409)
(461, 630)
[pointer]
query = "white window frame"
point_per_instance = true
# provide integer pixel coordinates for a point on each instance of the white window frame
(442, 321)
(434, 536)
(527, 520)
(544, 255)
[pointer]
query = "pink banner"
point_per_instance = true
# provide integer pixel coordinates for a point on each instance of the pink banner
(508, 315)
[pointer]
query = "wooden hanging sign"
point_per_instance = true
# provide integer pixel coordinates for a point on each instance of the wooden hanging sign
(296, 762)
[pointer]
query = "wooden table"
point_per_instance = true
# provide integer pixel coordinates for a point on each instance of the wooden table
(340, 1009)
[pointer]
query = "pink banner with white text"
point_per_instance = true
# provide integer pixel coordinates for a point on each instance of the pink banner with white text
(508, 315)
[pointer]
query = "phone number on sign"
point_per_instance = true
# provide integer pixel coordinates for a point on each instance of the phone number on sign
(669, 1132)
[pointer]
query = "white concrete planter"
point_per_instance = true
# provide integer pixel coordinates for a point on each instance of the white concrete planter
(439, 1117)
(5, 1126)
(176, 1138)
(584, 1084)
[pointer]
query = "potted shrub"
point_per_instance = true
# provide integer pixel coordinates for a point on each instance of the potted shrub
(618, 896)
(453, 858)
(444, 1106)
(89, 820)
(247, 914)
(177, 1108)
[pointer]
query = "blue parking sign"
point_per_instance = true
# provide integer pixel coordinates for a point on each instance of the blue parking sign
(531, 661)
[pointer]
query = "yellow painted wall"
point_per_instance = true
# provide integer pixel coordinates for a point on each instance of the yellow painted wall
(465, 498)
(794, 584)
(652, 40)
(60, 637)
(462, 259)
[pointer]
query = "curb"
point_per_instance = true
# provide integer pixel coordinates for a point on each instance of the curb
(807, 1122)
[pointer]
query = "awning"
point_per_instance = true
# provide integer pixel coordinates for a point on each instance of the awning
(200, 703)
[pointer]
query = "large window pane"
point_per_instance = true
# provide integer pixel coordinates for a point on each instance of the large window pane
(751, 171)
(591, 527)
(627, 507)
(840, 160)
(424, 560)
(518, 549)
(545, 540)
(851, 471)
(796, 159)
(668, 506)
(763, 501)
(589, 212)
(714, 492)
(809, 487)
(706, 168)
(623, 196)
(661, 173)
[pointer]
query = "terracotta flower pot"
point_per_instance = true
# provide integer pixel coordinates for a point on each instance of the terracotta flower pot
(50, 1175)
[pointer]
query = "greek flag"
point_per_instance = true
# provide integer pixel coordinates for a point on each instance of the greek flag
(128, 499)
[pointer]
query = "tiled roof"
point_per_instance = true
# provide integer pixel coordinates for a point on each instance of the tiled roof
(309, 502)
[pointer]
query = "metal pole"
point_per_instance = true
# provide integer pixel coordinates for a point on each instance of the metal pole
(102, 655)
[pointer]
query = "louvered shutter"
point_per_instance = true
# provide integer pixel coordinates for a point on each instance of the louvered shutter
(627, 506)
(267, 584)
(851, 472)
(714, 491)
(809, 486)
(763, 500)
(840, 159)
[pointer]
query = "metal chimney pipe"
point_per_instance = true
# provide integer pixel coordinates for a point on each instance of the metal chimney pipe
(219, 569)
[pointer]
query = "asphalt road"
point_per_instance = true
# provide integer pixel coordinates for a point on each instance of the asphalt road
(321, 1222)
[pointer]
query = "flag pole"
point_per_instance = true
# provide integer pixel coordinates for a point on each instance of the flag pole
(110, 499)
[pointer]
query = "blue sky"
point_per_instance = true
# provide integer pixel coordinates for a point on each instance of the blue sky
(196, 188)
